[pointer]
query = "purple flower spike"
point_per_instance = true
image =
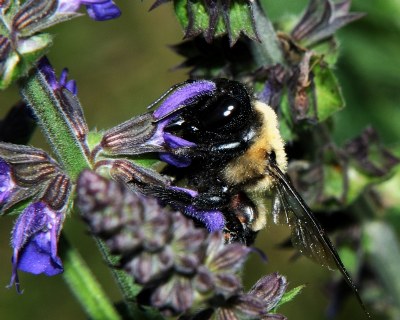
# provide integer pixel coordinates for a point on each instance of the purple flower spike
(6, 182)
(98, 10)
(48, 71)
(184, 95)
(34, 240)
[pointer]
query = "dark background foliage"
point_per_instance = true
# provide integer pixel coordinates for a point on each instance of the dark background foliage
(122, 65)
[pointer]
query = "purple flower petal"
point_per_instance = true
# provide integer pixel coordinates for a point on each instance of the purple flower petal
(48, 71)
(6, 182)
(98, 10)
(68, 5)
(105, 10)
(184, 95)
(191, 192)
(71, 86)
(40, 255)
(34, 240)
(175, 142)
(213, 220)
(63, 77)
(175, 161)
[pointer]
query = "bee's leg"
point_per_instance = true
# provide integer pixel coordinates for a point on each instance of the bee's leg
(244, 219)
(192, 204)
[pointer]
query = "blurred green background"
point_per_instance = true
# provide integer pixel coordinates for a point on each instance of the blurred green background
(121, 66)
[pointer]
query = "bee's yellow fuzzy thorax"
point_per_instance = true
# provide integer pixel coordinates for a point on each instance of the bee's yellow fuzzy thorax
(251, 166)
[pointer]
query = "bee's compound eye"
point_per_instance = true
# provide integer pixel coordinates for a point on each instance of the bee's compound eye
(221, 112)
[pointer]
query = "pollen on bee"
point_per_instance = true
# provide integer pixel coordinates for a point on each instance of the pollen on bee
(250, 168)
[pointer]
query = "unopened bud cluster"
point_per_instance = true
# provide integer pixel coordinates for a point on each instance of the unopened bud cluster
(182, 269)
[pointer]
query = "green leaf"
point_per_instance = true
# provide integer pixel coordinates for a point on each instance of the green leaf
(288, 296)
(349, 258)
(382, 247)
(285, 120)
(241, 21)
(333, 188)
(200, 16)
(328, 93)
(328, 50)
(194, 19)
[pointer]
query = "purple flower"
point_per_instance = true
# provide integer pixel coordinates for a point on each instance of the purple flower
(48, 71)
(213, 220)
(98, 10)
(174, 142)
(34, 240)
(6, 182)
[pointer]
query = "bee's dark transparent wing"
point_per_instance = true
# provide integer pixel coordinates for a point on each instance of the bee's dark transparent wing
(307, 234)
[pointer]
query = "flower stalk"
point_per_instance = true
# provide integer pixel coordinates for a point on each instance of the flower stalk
(54, 124)
(84, 285)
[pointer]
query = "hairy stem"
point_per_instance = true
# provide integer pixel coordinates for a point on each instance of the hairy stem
(54, 124)
(83, 284)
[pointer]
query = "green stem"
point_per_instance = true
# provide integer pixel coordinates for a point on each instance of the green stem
(125, 282)
(268, 52)
(54, 124)
(84, 285)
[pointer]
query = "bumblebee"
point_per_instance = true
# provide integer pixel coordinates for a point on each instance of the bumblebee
(236, 147)
(226, 148)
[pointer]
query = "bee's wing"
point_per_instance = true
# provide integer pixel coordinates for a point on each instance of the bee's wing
(307, 234)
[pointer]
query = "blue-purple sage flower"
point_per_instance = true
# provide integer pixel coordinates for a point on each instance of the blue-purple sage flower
(34, 241)
(65, 93)
(50, 75)
(22, 41)
(98, 10)
(6, 182)
(213, 220)
(30, 174)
